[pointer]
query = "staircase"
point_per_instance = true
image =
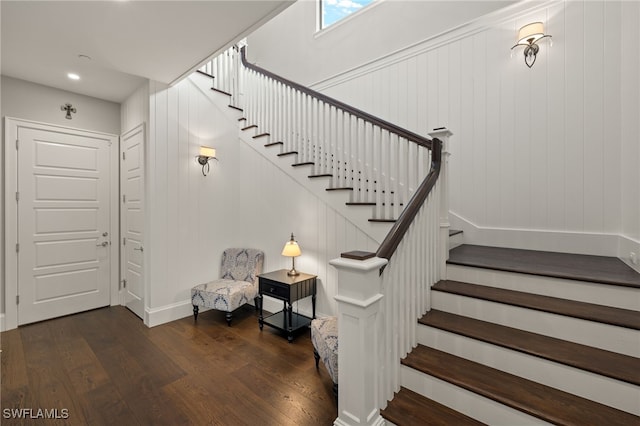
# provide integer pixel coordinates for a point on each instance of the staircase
(526, 337)
(510, 337)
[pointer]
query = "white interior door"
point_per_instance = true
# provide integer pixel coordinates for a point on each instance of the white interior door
(132, 219)
(64, 231)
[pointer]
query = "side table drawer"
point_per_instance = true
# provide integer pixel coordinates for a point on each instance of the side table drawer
(274, 289)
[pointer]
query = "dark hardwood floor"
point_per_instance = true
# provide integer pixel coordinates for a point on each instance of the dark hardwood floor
(106, 367)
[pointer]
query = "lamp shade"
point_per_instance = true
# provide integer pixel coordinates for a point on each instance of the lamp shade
(531, 33)
(291, 248)
(205, 151)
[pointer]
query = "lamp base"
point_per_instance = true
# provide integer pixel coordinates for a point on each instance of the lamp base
(293, 273)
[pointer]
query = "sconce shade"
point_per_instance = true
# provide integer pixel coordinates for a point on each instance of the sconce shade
(205, 151)
(528, 36)
(205, 154)
(531, 33)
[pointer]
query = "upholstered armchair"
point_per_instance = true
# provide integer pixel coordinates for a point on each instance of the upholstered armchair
(324, 336)
(237, 285)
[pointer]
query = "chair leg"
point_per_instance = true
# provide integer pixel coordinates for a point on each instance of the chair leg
(228, 318)
(335, 391)
(195, 312)
(255, 302)
(316, 355)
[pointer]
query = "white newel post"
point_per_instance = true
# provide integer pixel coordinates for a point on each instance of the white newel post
(359, 328)
(443, 134)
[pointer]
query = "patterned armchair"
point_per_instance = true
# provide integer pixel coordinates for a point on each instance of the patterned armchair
(324, 336)
(237, 285)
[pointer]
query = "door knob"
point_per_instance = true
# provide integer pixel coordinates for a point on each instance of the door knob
(103, 244)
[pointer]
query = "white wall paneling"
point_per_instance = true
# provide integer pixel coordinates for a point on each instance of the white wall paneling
(551, 150)
(245, 201)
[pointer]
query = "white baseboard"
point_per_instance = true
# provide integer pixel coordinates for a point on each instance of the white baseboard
(179, 310)
(2, 322)
(535, 239)
(167, 313)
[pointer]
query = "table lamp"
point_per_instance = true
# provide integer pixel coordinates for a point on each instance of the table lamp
(292, 249)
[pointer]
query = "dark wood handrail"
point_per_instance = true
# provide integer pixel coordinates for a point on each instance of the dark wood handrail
(413, 137)
(395, 235)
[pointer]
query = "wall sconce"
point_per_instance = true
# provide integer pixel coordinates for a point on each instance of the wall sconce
(206, 154)
(528, 36)
(292, 249)
(69, 109)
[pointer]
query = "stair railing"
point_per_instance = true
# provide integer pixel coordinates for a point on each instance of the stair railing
(404, 174)
(381, 163)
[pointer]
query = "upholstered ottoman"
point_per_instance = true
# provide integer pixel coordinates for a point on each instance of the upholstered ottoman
(324, 336)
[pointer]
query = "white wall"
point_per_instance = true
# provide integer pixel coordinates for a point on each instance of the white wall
(23, 99)
(544, 158)
(135, 109)
(30, 101)
(245, 201)
(289, 44)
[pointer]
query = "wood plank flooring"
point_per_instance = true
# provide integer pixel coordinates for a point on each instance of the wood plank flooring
(106, 367)
(606, 270)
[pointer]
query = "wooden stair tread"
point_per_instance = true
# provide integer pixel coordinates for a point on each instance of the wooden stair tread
(453, 232)
(273, 144)
(408, 408)
(543, 402)
(600, 269)
(251, 126)
(587, 311)
(611, 364)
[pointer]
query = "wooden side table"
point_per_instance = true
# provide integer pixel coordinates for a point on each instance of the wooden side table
(279, 285)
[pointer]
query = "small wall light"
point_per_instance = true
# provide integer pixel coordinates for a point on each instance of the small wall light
(206, 154)
(292, 249)
(69, 109)
(528, 36)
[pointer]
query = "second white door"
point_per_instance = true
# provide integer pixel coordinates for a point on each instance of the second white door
(132, 218)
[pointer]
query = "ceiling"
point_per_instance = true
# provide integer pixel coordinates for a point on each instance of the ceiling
(127, 41)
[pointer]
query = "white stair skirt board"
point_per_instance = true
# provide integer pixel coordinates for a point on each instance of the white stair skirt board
(609, 337)
(582, 291)
(456, 240)
(621, 395)
(469, 403)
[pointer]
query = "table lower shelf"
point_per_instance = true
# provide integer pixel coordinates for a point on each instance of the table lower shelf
(279, 321)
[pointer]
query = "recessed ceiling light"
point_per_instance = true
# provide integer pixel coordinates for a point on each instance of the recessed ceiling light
(73, 76)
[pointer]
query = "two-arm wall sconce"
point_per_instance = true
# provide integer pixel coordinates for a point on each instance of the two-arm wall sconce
(528, 36)
(206, 154)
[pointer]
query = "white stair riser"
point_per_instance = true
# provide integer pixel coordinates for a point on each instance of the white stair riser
(609, 337)
(464, 401)
(621, 395)
(601, 294)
